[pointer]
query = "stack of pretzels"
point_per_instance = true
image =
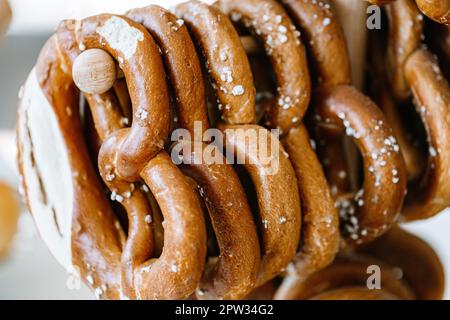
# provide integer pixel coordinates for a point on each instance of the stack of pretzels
(97, 111)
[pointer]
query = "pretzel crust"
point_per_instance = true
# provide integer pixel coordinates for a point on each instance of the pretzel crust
(176, 273)
(271, 24)
(279, 213)
(226, 61)
(233, 274)
(181, 61)
(432, 96)
(403, 41)
(344, 108)
(351, 271)
(323, 36)
(325, 40)
(91, 215)
(415, 257)
(320, 219)
(151, 119)
(438, 10)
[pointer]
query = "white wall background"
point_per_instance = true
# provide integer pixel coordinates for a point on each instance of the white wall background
(44, 15)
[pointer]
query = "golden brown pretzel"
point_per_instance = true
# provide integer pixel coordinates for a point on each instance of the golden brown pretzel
(320, 228)
(438, 10)
(232, 275)
(107, 119)
(415, 160)
(323, 36)
(132, 155)
(279, 213)
(405, 36)
(324, 39)
(181, 61)
(377, 206)
(319, 219)
(226, 63)
(181, 265)
(270, 23)
(71, 221)
(349, 272)
(176, 273)
(432, 97)
(404, 262)
(417, 261)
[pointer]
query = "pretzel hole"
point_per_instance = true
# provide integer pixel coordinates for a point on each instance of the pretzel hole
(212, 244)
(250, 192)
(94, 143)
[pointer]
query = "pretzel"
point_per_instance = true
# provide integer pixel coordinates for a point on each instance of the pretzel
(405, 36)
(279, 214)
(65, 197)
(415, 160)
(404, 260)
(269, 21)
(91, 237)
(438, 10)
(176, 272)
(324, 38)
(432, 97)
(415, 257)
(320, 219)
(136, 253)
(181, 62)
(233, 275)
(333, 91)
(375, 208)
(9, 215)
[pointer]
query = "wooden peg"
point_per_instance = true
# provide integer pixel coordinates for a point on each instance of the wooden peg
(94, 71)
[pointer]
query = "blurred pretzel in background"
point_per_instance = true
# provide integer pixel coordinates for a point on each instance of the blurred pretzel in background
(9, 204)
(111, 202)
(5, 17)
(9, 214)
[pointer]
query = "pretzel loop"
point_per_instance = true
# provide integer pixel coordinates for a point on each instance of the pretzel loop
(279, 214)
(138, 57)
(269, 21)
(432, 97)
(375, 208)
